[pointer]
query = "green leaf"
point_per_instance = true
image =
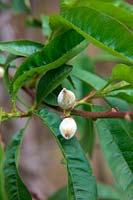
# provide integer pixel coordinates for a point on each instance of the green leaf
(104, 192)
(61, 194)
(118, 149)
(87, 135)
(108, 8)
(117, 103)
(125, 5)
(15, 188)
(123, 72)
(50, 81)
(100, 29)
(126, 95)
(99, 84)
(89, 78)
(51, 99)
(85, 126)
(2, 191)
(118, 3)
(19, 6)
(2, 59)
(21, 47)
(121, 105)
(107, 192)
(78, 168)
(33, 23)
(7, 65)
(50, 57)
(45, 25)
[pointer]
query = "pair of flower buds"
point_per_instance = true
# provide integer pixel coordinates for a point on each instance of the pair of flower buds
(66, 100)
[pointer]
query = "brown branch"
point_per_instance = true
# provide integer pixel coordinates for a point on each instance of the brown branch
(109, 114)
(113, 113)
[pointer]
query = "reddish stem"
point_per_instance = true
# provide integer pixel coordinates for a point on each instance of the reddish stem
(109, 114)
(113, 113)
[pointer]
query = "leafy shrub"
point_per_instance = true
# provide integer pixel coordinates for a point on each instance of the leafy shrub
(50, 67)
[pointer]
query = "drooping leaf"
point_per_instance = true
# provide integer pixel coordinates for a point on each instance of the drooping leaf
(2, 191)
(87, 135)
(81, 181)
(117, 146)
(21, 47)
(121, 105)
(7, 65)
(50, 57)
(104, 192)
(15, 188)
(123, 72)
(50, 81)
(100, 29)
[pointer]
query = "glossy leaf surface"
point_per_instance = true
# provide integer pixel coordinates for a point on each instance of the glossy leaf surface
(51, 80)
(48, 58)
(100, 29)
(106, 7)
(118, 149)
(79, 172)
(15, 188)
(21, 47)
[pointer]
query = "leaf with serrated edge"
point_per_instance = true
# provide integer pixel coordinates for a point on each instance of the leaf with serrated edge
(118, 149)
(100, 29)
(15, 188)
(83, 182)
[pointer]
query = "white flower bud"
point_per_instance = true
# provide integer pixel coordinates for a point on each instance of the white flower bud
(66, 99)
(68, 128)
(1, 72)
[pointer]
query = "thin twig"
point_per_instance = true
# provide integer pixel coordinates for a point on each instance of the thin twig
(109, 114)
